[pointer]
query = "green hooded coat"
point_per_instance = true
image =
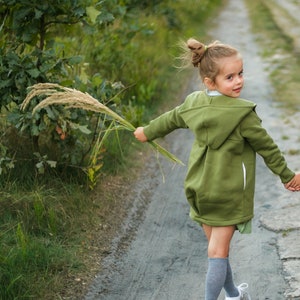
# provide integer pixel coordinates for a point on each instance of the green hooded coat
(220, 180)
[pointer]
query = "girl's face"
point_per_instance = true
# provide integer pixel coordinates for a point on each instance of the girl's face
(229, 80)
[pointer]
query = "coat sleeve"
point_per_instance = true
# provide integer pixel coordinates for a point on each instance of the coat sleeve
(263, 144)
(164, 124)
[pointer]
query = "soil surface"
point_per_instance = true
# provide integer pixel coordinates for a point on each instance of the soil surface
(160, 253)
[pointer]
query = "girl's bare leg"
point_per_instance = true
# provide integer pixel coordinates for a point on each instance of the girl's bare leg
(219, 272)
(219, 239)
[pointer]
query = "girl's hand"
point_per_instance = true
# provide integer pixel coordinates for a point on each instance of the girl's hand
(294, 184)
(139, 134)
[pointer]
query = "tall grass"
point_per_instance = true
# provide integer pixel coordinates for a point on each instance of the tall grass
(34, 228)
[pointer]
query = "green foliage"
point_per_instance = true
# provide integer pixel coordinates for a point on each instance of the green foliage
(120, 52)
(98, 47)
(29, 54)
(28, 51)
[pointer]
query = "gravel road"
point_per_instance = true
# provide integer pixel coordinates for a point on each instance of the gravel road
(166, 258)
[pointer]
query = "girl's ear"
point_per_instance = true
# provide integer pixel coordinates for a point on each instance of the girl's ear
(209, 83)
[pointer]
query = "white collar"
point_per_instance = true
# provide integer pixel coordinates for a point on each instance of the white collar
(213, 93)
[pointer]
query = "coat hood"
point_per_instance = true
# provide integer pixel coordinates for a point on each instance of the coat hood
(214, 118)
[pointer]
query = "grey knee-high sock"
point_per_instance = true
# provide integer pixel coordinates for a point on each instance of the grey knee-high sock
(229, 286)
(215, 277)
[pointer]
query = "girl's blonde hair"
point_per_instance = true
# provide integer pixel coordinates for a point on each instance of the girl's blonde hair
(206, 57)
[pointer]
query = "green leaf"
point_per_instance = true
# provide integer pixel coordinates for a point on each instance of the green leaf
(40, 167)
(105, 17)
(75, 60)
(50, 113)
(52, 163)
(5, 83)
(35, 130)
(84, 129)
(38, 14)
(34, 73)
(92, 13)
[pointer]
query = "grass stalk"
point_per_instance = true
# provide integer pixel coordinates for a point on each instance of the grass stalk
(71, 98)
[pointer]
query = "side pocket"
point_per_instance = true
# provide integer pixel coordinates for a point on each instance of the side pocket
(244, 174)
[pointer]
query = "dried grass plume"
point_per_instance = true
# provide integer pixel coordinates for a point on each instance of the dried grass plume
(71, 98)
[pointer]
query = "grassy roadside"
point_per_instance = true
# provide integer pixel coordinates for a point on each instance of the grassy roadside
(283, 64)
(54, 235)
(278, 52)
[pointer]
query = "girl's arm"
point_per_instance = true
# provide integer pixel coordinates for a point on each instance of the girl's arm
(263, 144)
(160, 126)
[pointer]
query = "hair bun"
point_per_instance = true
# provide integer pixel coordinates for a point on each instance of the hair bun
(198, 50)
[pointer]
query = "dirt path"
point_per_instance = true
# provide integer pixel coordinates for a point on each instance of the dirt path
(167, 257)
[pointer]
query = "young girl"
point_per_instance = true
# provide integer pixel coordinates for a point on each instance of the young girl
(219, 184)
